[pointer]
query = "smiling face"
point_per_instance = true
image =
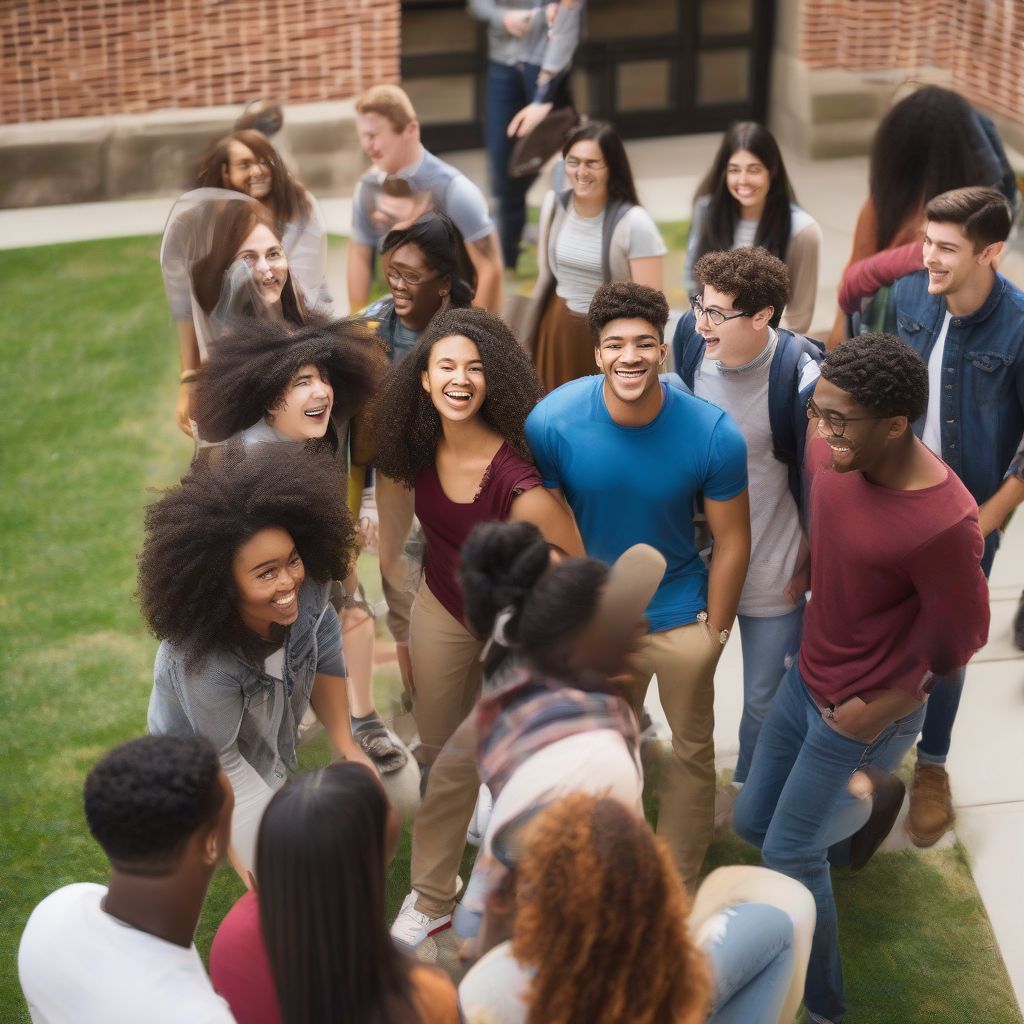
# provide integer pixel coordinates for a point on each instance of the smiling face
(264, 255)
(389, 150)
(416, 289)
(865, 436)
(246, 172)
(736, 341)
(454, 378)
(629, 354)
(748, 182)
(304, 410)
(268, 572)
(950, 259)
(587, 171)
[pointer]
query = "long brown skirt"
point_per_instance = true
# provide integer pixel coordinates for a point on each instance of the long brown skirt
(564, 347)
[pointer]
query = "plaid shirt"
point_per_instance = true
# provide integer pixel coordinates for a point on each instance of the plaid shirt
(527, 712)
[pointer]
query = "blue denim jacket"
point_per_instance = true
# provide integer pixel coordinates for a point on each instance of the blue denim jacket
(982, 412)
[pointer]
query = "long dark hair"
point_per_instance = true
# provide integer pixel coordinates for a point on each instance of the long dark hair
(235, 221)
(444, 251)
(321, 855)
(928, 143)
(620, 175)
(287, 200)
(723, 211)
(406, 425)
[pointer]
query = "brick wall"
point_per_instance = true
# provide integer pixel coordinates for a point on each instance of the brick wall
(981, 42)
(76, 58)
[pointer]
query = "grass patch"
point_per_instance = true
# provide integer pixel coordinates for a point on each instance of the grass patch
(87, 434)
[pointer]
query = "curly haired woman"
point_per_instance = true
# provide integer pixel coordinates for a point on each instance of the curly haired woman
(449, 424)
(234, 579)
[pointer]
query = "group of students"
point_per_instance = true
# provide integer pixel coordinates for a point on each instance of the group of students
(574, 544)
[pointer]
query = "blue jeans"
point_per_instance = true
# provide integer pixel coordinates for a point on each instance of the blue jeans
(795, 805)
(769, 648)
(751, 962)
(509, 89)
(937, 732)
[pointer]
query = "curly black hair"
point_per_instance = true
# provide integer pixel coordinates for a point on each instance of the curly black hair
(507, 564)
(627, 300)
(145, 798)
(880, 372)
(250, 369)
(753, 276)
(186, 587)
(406, 425)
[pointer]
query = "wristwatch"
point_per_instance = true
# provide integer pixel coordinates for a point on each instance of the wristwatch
(723, 634)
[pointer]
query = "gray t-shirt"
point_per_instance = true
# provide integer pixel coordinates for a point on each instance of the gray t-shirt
(774, 519)
(436, 186)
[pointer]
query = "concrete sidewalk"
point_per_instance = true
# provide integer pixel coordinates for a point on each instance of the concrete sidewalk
(985, 764)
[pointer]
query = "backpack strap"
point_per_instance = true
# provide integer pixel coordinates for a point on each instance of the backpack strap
(687, 349)
(614, 211)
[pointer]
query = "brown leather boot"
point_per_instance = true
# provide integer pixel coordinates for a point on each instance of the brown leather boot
(931, 805)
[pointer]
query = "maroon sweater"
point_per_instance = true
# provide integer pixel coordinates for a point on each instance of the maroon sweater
(897, 589)
(447, 523)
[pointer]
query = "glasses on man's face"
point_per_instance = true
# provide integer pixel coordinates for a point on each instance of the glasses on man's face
(716, 316)
(834, 422)
(411, 278)
(574, 163)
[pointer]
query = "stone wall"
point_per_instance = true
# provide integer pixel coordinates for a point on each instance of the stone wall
(90, 58)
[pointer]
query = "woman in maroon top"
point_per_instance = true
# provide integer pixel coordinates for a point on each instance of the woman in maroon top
(449, 424)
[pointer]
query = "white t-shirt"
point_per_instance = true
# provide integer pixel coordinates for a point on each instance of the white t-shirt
(79, 965)
(932, 435)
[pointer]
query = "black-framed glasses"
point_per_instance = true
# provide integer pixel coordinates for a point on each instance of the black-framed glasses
(835, 422)
(716, 316)
(395, 277)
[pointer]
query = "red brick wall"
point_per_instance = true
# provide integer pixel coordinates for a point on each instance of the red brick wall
(75, 58)
(980, 41)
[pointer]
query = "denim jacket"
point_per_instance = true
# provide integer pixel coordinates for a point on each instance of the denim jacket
(982, 410)
(251, 717)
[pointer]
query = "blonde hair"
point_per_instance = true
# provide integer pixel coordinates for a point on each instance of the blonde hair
(390, 102)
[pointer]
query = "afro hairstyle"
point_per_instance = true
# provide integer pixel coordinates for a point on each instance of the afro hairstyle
(406, 425)
(880, 372)
(144, 798)
(186, 585)
(627, 300)
(753, 276)
(250, 369)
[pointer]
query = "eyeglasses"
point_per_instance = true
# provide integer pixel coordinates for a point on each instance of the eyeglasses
(574, 163)
(395, 277)
(716, 316)
(835, 422)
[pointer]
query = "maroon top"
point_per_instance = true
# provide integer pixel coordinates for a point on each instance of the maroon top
(863, 278)
(447, 523)
(896, 583)
(239, 967)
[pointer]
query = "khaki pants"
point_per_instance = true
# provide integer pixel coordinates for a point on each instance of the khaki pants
(395, 507)
(684, 660)
(446, 671)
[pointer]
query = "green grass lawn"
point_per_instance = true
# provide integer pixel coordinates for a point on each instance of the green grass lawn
(87, 434)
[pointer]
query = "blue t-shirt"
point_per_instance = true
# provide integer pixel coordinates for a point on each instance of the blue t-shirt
(633, 485)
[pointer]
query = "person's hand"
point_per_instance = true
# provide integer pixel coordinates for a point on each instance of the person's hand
(987, 519)
(796, 588)
(517, 23)
(550, 13)
(369, 521)
(854, 718)
(527, 119)
(183, 409)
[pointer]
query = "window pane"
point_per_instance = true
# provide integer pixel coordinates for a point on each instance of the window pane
(643, 85)
(726, 17)
(440, 100)
(723, 76)
(622, 19)
(438, 31)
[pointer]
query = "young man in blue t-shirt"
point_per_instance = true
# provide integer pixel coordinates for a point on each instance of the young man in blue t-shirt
(630, 454)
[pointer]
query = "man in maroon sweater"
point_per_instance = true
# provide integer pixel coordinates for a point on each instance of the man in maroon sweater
(897, 597)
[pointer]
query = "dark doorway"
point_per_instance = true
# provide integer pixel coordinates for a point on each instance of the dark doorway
(652, 67)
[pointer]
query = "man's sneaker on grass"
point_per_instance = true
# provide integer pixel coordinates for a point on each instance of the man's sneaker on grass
(931, 814)
(411, 927)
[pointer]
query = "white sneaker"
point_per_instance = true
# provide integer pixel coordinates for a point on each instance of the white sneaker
(481, 817)
(411, 927)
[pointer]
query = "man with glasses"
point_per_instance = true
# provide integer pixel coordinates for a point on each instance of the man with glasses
(629, 453)
(898, 597)
(731, 353)
(967, 321)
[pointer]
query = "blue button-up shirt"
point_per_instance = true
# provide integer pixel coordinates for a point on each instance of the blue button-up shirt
(982, 376)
